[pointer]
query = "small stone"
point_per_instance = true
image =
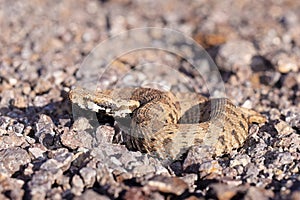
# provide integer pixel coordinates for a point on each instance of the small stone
(196, 156)
(164, 184)
(59, 77)
(76, 139)
(141, 170)
(283, 158)
(121, 176)
(224, 192)
(234, 54)
(42, 86)
(89, 176)
(12, 187)
(12, 159)
(91, 195)
(77, 184)
(20, 102)
(6, 98)
(285, 66)
(283, 62)
(190, 179)
(12, 81)
(274, 114)
(82, 124)
(28, 171)
(251, 172)
(55, 193)
(64, 182)
(292, 116)
(135, 193)
(283, 128)
(43, 179)
(26, 88)
(12, 140)
(247, 104)
(45, 130)
(290, 80)
(105, 134)
(63, 158)
(258, 193)
(50, 165)
(240, 160)
(37, 152)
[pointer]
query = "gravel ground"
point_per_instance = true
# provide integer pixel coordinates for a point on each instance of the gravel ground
(46, 153)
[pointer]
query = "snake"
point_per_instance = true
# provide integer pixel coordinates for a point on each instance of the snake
(167, 124)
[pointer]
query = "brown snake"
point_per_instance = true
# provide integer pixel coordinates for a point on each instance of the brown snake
(167, 124)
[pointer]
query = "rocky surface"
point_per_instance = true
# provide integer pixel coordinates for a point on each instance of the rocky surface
(48, 151)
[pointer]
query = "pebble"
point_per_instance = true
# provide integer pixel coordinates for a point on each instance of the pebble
(12, 140)
(77, 185)
(240, 160)
(12, 188)
(37, 152)
(45, 130)
(105, 134)
(290, 80)
(76, 139)
(283, 128)
(42, 86)
(224, 192)
(88, 175)
(172, 185)
(90, 194)
(234, 54)
(196, 156)
(283, 62)
(12, 159)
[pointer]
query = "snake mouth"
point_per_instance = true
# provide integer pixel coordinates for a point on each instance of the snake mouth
(90, 100)
(118, 109)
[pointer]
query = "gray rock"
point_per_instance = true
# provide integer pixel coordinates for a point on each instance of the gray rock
(90, 194)
(12, 159)
(77, 185)
(88, 175)
(37, 151)
(196, 156)
(164, 184)
(12, 187)
(75, 139)
(45, 131)
(234, 54)
(63, 157)
(43, 179)
(258, 193)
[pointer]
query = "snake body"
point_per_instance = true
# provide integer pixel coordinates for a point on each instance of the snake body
(167, 124)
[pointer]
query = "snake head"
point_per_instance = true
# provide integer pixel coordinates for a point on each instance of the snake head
(96, 101)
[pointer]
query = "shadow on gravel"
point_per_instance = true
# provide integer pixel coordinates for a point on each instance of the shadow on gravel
(41, 123)
(30, 115)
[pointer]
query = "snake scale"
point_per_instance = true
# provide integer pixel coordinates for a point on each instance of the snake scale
(167, 124)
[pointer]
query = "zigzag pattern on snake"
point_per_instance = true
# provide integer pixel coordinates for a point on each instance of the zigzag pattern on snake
(167, 124)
